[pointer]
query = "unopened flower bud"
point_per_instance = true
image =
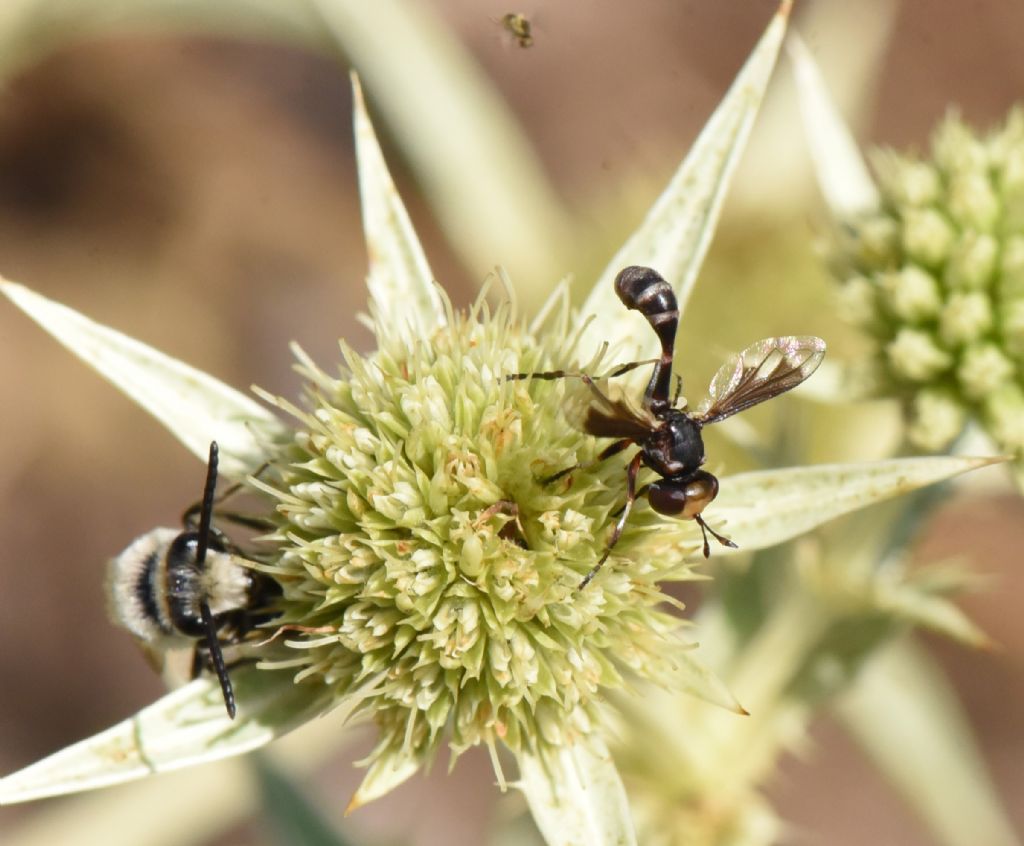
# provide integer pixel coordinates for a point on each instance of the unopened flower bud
(972, 262)
(937, 418)
(911, 294)
(983, 368)
(927, 236)
(973, 203)
(965, 317)
(915, 356)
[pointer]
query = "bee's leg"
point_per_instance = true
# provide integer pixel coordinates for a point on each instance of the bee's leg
(631, 473)
(679, 391)
(705, 529)
(610, 450)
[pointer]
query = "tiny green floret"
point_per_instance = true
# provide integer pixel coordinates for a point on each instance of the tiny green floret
(419, 546)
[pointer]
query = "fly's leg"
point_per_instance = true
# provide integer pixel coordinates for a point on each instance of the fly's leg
(631, 474)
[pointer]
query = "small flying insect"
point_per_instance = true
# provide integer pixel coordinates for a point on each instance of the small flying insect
(669, 437)
(519, 26)
(192, 588)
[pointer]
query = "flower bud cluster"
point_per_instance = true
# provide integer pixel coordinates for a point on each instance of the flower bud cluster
(936, 276)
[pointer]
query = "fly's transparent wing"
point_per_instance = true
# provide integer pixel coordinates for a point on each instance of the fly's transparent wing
(762, 371)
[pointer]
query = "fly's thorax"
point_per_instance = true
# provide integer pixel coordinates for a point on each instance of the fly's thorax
(676, 448)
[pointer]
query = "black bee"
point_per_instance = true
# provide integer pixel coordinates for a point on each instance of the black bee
(519, 26)
(191, 588)
(669, 437)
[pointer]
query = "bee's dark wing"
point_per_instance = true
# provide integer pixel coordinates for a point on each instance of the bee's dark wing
(605, 412)
(762, 371)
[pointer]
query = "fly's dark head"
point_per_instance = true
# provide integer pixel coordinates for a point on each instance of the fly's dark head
(676, 447)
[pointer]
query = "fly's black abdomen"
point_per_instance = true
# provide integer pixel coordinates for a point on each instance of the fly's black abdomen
(646, 291)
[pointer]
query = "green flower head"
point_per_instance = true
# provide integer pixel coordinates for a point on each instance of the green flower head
(420, 547)
(934, 273)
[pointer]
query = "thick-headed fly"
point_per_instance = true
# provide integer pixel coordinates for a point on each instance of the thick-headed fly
(669, 437)
(172, 589)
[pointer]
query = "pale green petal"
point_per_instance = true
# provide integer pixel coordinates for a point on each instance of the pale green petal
(842, 172)
(577, 796)
(186, 727)
(384, 775)
(401, 283)
(677, 230)
(906, 716)
(768, 507)
(196, 407)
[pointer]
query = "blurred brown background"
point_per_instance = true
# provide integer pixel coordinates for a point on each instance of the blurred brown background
(199, 193)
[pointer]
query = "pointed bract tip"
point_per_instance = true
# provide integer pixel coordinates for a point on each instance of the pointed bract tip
(978, 461)
(987, 644)
(743, 712)
(353, 805)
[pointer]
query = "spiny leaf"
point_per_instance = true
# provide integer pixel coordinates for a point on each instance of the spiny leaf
(195, 407)
(768, 507)
(842, 173)
(186, 727)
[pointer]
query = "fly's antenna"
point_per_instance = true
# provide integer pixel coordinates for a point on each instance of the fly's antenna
(202, 544)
